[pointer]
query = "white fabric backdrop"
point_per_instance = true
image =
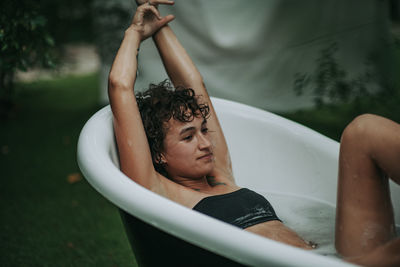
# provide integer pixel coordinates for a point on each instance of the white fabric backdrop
(250, 51)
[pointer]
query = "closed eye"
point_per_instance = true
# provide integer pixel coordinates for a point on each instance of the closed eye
(188, 138)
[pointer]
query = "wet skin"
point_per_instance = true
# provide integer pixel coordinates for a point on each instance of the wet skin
(189, 157)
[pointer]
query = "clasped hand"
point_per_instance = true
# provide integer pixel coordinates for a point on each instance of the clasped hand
(147, 19)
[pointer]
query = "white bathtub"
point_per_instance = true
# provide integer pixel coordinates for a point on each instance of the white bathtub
(293, 166)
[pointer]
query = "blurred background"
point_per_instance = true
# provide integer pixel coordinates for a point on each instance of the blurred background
(320, 63)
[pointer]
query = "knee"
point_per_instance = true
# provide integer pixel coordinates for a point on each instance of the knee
(362, 128)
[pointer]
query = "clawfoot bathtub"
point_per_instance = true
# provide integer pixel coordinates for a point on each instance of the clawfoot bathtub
(293, 166)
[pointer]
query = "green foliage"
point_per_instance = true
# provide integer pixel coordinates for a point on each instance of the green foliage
(330, 119)
(24, 42)
(69, 21)
(331, 82)
(23, 36)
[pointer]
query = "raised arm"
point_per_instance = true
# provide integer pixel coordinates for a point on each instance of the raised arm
(133, 148)
(183, 72)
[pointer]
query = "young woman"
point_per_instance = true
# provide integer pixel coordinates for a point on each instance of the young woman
(170, 142)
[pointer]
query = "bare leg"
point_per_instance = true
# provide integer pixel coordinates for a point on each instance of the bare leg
(382, 256)
(369, 153)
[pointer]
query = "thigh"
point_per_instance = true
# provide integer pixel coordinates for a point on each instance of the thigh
(364, 218)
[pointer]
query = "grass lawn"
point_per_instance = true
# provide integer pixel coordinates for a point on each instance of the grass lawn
(50, 215)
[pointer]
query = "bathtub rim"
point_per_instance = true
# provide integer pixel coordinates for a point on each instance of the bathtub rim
(222, 239)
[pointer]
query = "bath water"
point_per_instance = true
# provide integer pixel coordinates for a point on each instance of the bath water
(312, 219)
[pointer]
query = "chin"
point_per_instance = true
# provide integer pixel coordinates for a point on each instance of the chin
(207, 171)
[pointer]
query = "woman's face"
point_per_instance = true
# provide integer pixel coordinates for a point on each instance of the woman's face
(188, 149)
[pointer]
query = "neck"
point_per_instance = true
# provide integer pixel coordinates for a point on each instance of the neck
(198, 184)
(203, 184)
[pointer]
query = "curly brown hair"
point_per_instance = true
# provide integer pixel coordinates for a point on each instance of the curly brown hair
(157, 105)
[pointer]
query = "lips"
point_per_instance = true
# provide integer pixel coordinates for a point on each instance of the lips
(206, 156)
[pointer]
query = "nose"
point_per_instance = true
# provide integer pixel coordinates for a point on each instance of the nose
(204, 142)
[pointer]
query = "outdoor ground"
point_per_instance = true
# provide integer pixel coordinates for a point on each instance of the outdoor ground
(50, 215)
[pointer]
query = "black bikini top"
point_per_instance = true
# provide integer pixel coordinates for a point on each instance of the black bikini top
(242, 208)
